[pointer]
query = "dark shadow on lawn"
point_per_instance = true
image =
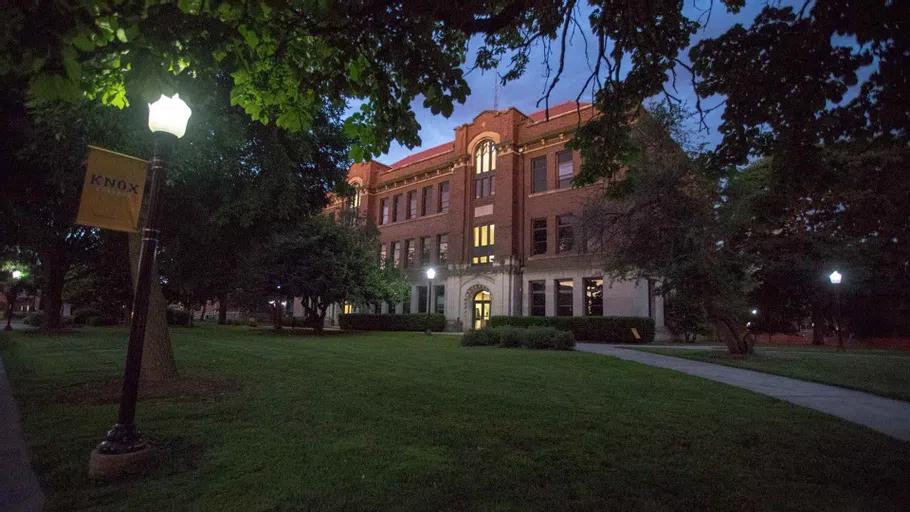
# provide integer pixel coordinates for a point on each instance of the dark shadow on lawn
(303, 331)
(183, 389)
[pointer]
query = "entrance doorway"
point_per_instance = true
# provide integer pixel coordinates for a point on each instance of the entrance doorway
(482, 302)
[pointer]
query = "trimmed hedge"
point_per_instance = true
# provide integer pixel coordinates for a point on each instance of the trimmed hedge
(180, 317)
(101, 321)
(538, 338)
(602, 329)
(36, 319)
(416, 322)
(81, 315)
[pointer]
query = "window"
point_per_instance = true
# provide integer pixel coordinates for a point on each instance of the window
(397, 209)
(425, 251)
(383, 212)
(537, 298)
(411, 253)
(422, 299)
(594, 297)
(444, 197)
(396, 254)
(427, 206)
(564, 233)
(565, 169)
(538, 236)
(483, 244)
(412, 205)
(439, 302)
(564, 291)
(383, 256)
(348, 308)
(539, 174)
(442, 249)
(406, 305)
(484, 169)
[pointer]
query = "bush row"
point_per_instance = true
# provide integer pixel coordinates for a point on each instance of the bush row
(36, 319)
(415, 322)
(178, 317)
(520, 337)
(603, 329)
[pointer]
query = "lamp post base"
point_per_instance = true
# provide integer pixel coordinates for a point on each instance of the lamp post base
(123, 452)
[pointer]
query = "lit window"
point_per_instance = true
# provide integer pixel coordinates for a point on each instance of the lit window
(566, 169)
(348, 308)
(594, 297)
(484, 169)
(484, 240)
(442, 249)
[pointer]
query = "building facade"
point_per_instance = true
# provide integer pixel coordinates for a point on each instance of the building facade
(495, 214)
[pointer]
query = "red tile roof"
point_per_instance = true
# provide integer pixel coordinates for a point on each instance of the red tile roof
(427, 153)
(556, 110)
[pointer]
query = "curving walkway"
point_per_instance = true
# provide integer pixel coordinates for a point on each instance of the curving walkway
(19, 489)
(891, 417)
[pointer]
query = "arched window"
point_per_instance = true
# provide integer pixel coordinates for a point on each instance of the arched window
(485, 169)
(481, 314)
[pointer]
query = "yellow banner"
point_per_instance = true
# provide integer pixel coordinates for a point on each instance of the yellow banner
(112, 191)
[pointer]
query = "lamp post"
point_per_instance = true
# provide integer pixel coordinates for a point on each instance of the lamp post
(11, 292)
(835, 278)
(431, 273)
(124, 447)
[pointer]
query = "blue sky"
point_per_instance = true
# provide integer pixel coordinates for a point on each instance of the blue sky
(524, 93)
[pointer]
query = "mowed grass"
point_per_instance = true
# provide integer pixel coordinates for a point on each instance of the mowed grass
(881, 372)
(409, 422)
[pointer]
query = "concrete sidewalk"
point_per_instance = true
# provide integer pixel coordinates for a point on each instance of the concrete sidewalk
(19, 489)
(891, 417)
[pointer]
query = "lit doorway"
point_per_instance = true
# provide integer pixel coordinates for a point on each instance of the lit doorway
(482, 302)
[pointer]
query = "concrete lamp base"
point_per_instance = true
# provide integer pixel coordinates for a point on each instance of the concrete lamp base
(104, 466)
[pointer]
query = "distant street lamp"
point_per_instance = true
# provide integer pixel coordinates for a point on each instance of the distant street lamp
(124, 446)
(11, 292)
(431, 273)
(754, 312)
(17, 274)
(835, 278)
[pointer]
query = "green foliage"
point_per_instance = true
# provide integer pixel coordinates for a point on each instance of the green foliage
(34, 319)
(179, 317)
(538, 338)
(98, 321)
(602, 329)
(410, 322)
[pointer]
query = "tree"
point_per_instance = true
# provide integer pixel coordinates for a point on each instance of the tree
(659, 223)
(15, 277)
(323, 263)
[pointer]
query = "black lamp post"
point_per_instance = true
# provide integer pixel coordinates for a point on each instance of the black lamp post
(835, 278)
(124, 446)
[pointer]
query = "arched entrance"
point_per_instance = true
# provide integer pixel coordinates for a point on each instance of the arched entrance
(481, 303)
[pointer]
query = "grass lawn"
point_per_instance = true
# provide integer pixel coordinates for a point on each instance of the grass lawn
(882, 372)
(392, 421)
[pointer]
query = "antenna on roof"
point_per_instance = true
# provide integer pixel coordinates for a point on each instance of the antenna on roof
(496, 89)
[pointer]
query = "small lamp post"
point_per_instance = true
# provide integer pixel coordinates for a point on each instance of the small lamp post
(835, 279)
(431, 273)
(124, 448)
(11, 293)
(17, 274)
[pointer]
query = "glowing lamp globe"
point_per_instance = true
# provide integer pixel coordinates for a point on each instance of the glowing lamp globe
(431, 273)
(17, 274)
(169, 115)
(835, 277)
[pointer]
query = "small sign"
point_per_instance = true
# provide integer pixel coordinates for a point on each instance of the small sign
(112, 190)
(635, 333)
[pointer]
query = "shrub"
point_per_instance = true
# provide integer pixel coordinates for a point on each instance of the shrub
(34, 319)
(603, 329)
(101, 321)
(415, 322)
(538, 338)
(81, 315)
(178, 317)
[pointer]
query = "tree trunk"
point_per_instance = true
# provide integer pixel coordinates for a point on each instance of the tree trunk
(730, 331)
(202, 314)
(276, 316)
(157, 355)
(9, 313)
(818, 324)
(222, 310)
(52, 293)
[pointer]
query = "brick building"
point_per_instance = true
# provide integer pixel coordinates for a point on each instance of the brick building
(494, 213)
